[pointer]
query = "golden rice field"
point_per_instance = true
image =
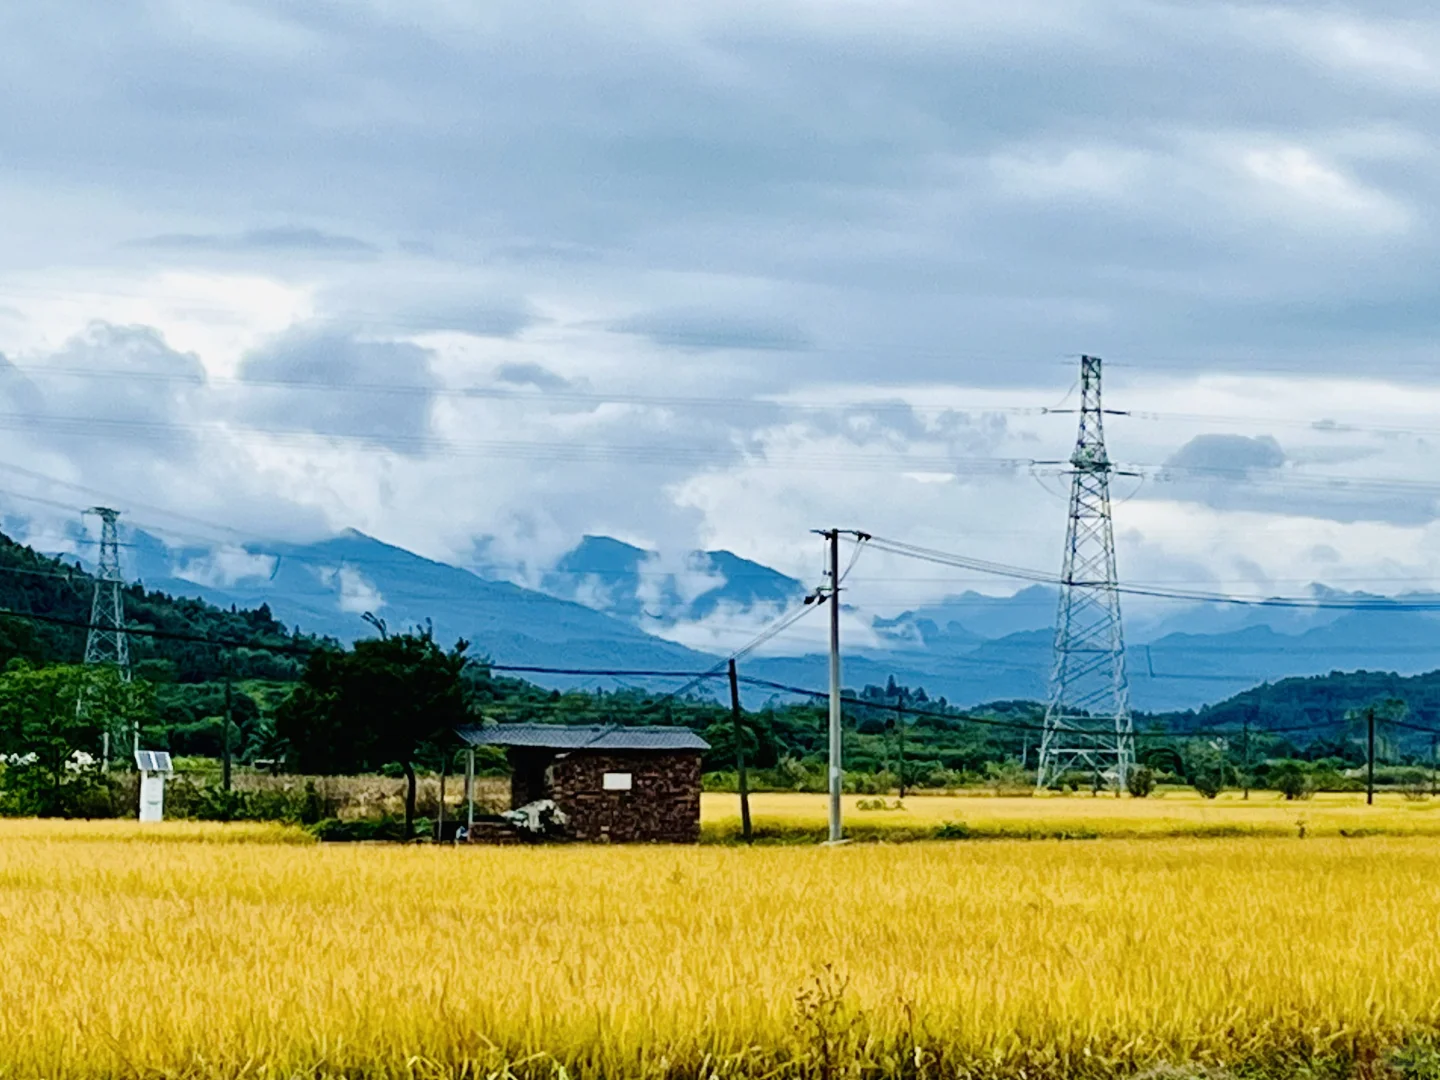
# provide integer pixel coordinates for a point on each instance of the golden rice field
(137, 951)
(794, 816)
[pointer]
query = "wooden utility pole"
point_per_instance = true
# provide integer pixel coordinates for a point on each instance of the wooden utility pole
(742, 777)
(1370, 756)
(225, 741)
(440, 817)
(900, 740)
(1434, 746)
(1245, 758)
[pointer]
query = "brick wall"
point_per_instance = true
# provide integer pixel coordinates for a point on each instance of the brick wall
(527, 775)
(663, 803)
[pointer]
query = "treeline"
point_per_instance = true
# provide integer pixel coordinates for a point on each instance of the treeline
(1327, 710)
(171, 652)
(895, 733)
(60, 595)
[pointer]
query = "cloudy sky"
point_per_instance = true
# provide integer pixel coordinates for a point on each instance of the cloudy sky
(479, 279)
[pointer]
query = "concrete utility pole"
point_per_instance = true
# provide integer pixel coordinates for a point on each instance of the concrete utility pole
(836, 734)
(469, 792)
(832, 593)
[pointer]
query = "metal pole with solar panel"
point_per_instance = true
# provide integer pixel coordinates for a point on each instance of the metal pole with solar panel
(155, 769)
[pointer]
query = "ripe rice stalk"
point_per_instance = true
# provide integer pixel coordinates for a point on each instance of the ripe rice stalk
(157, 950)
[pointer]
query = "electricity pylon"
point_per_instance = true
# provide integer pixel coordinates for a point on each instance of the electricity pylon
(107, 643)
(1087, 715)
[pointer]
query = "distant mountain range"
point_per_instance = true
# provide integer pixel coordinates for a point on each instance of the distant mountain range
(608, 604)
(634, 584)
(327, 588)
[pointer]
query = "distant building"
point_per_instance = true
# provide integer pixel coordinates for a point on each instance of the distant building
(618, 784)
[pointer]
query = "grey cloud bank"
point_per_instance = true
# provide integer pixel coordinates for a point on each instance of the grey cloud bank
(1233, 454)
(708, 220)
(283, 239)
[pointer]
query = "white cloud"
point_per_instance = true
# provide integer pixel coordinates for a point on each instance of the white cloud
(716, 277)
(226, 565)
(357, 594)
(1403, 53)
(1075, 172)
(1293, 182)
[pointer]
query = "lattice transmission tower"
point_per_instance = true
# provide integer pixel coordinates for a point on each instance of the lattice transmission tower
(1087, 715)
(107, 642)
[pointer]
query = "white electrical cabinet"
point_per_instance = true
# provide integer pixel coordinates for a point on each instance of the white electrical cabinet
(155, 769)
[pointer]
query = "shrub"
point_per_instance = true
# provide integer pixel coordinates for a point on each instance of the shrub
(792, 774)
(1009, 778)
(1291, 781)
(29, 787)
(386, 828)
(1208, 783)
(1141, 782)
(878, 804)
(1206, 767)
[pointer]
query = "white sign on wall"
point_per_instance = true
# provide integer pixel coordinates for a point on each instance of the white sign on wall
(617, 781)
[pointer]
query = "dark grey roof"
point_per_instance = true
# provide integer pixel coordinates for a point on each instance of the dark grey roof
(587, 737)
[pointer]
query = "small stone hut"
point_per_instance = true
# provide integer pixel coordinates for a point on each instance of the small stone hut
(617, 784)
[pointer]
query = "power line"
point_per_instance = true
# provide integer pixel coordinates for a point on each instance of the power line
(727, 448)
(518, 395)
(1013, 725)
(305, 649)
(944, 558)
(132, 630)
(600, 672)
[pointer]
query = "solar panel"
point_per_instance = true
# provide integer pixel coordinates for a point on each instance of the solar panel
(153, 761)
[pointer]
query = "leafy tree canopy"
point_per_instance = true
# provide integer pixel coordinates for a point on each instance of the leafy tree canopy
(376, 704)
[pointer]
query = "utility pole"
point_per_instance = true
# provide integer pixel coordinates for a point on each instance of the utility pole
(225, 744)
(836, 760)
(1434, 747)
(107, 643)
(1245, 758)
(1370, 756)
(440, 817)
(832, 594)
(469, 792)
(742, 777)
(900, 738)
(1087, 715)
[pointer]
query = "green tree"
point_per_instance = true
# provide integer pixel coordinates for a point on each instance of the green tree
(1291, 780)
(1207, 767)
(52, 724)
(1140, 781)
(378, 704)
